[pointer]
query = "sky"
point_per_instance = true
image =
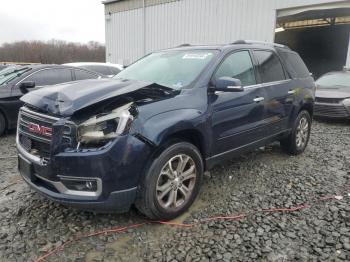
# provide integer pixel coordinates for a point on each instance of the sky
(70, 20)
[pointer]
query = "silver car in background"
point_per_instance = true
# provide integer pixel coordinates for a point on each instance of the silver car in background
(106, 69)
(333, 95)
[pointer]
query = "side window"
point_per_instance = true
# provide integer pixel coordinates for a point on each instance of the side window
(269, 65)
(81, 75)
(99, 69)
(238, 65)
(114, 70)
(295, 65)
(50, 77)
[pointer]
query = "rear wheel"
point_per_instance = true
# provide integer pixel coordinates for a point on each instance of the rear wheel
(297, 141)
(171, 183)
(2, 124)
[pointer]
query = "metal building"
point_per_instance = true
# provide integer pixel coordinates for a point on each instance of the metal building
(137, 27)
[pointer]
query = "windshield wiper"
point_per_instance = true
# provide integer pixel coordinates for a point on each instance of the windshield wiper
(25, 69)
(16, 75)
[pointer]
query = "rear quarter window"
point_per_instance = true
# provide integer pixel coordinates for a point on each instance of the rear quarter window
(104, 70)
(81, 75)
(269, 66)
(295, 65)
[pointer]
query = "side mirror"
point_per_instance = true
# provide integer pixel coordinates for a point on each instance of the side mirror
(228, 84)
(24, 86)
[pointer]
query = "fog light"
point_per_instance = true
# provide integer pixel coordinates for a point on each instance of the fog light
(80, 185)
(89, 185)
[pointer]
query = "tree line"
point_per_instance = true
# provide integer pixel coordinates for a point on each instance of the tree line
(52, 52)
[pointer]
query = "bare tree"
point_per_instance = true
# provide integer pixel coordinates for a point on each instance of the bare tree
(52, 52)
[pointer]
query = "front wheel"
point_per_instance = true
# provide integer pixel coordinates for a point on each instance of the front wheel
(298, 139)
(171, 183)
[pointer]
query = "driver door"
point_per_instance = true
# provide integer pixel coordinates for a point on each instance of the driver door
(237, 117)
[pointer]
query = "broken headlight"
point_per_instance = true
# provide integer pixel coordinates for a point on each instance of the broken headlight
(104, 127)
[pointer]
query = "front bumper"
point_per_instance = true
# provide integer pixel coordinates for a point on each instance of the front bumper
(330, 110)
(116, 202)
(117, 168)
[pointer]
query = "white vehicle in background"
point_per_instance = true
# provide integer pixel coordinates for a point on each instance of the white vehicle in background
(106, 69)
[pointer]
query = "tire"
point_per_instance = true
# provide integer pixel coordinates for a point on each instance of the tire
(153, 200)
(298, 139)
(2, 124)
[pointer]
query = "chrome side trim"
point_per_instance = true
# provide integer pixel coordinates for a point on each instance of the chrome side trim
(276, 82)
(260, 85)
(252, 86)
(252, 143)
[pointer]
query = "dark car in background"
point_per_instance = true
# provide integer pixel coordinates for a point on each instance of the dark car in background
(106, 69)
(333, 95)
(17, 80)
(147, 136)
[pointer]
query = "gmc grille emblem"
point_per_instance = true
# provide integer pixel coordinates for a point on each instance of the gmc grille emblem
(41, 130)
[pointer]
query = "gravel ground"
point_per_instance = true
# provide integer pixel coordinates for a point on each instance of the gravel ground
(266, 178)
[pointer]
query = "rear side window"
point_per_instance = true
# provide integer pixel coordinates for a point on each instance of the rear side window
(51, 77)
(238, 65)
(100, 69)
(81, 75)
(295, 65)
(114, 70)
(269, 66)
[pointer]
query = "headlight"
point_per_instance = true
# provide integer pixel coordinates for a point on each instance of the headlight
(346, 102)
(104, 127)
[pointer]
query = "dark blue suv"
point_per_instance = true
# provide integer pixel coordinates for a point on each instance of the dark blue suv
(146, 136)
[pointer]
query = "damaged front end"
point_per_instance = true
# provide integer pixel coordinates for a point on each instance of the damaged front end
(90, 156)
(104, 127)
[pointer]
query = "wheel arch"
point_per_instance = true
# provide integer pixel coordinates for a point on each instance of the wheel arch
(2, 112)
(191, 136)
(309, 107)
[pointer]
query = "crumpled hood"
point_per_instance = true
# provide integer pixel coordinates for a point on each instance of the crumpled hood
(65, 99)
(333, 93)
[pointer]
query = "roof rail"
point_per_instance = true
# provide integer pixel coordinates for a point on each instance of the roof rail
(241, 42)
(182, 45)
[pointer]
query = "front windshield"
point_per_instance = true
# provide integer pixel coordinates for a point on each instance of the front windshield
(174, 69)
(335, 80)
(10, 73)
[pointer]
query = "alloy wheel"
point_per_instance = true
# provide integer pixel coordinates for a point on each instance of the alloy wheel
(302, 132)
(176, 182)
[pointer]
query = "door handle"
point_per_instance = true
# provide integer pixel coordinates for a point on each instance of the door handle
(258, 99)
(291, 92)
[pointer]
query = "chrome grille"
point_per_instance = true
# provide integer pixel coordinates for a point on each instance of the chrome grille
(39, 143)
(330, 110)
(329, 100)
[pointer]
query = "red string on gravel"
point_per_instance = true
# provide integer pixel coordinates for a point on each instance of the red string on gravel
(216, 218)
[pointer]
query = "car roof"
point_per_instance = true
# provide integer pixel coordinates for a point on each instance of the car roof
(42, 66)
(234, 45)
(93, 64)
(37, 67)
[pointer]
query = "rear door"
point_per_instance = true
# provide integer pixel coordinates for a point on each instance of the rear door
(279, 91)
(236, 116)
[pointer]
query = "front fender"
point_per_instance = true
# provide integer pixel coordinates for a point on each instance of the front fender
(159, 127)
